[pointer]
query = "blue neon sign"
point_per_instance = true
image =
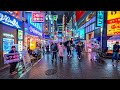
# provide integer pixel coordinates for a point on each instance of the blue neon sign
(100, 18)
(9, 20)
(36, 25)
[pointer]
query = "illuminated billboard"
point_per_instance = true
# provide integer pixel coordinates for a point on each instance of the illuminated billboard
(113, 25)
(82, 33)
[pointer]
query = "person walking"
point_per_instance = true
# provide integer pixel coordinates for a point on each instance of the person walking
(54, 51)
(116, 48)
(79, 50)
(61, 51)
(69, 49)
(13, 64)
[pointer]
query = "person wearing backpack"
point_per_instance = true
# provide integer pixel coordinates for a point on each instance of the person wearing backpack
(116, 48)
(54, 51)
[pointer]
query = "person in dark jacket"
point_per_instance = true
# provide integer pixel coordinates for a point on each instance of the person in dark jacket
(54, 49)
(69, 49)
(116, 48)
(13, 64)
(79, 50)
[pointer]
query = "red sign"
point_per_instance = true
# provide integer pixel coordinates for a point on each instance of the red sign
(116, 20)
(38, 16)
(79, 14)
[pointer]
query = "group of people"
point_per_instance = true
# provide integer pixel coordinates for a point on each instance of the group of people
(59, 48)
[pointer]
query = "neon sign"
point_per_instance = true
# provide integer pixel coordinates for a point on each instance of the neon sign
(33, 30)
(8, 35)
(100, 18)
(37, 25)
(38, 16)
(7, 19)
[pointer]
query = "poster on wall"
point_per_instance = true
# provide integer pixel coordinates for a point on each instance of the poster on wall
(113, 23)
(7, 44)
(11, 57)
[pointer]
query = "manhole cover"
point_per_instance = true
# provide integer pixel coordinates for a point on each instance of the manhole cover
(51, 72)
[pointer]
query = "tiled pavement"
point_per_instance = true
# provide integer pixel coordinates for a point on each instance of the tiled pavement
(72, 68)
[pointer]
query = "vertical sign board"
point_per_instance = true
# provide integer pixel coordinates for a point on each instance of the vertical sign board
(100, 18)
(38, 16)
(20, 42)
(55, 17)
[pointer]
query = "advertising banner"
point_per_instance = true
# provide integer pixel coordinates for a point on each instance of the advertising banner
(26, 59)
(113, 23)
(11, 57)
(38, 16)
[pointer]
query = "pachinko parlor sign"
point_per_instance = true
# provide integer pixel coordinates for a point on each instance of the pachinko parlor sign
(35, 31)
(9, 20)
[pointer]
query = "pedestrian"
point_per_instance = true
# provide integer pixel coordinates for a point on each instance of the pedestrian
(61, 51)
(54, 51)
(93, 52)
(13, 64)
(116, 48)
(79, 50)
(47, 48)
(69, 49)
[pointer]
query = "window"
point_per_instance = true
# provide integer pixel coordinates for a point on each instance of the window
(88, 28)
(93, 25)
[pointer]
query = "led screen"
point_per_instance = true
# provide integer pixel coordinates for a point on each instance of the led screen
(7, 44)
(82, 33)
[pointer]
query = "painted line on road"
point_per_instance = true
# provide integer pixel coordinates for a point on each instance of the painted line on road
(29, 69)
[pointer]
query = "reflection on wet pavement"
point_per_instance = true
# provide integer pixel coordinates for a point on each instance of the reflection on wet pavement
(72, 68)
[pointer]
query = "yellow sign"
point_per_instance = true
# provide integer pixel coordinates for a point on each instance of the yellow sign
(32, 44)
(113, 23)
(113, 15)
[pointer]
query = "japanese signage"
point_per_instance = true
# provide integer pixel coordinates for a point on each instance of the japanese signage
(113, 23)
(55, 17)
(9, 20)
(8, 35)
(20, 40)
(11, 57)
(20, 34)
(34, 31)
(38, 16)
(100, 18)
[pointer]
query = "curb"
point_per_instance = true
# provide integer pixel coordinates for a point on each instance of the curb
(29, 69)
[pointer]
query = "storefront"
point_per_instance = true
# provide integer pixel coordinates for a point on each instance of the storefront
(113, 29)
(93, 25)
(9, 27)
(33, 33)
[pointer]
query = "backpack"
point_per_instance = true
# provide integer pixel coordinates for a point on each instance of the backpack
(53, 47)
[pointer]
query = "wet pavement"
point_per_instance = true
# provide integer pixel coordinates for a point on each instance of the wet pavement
(72, 68)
